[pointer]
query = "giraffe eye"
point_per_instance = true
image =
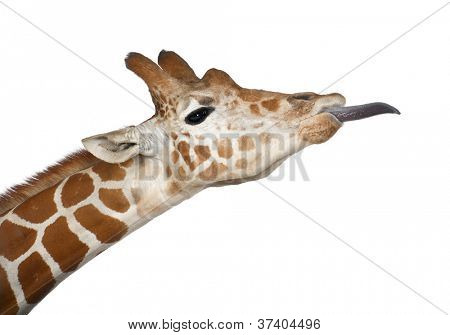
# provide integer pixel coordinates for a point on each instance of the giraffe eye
(199, 115)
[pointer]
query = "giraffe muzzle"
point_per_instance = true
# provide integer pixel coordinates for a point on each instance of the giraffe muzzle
(352, 113)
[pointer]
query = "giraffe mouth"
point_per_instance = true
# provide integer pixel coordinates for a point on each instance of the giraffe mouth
(352, 113)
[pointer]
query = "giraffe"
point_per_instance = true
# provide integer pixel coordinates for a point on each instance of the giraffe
(205, 132)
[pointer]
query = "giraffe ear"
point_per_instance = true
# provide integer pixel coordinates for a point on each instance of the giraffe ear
(114, 147)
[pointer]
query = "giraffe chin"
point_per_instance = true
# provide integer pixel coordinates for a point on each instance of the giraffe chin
(319, 128)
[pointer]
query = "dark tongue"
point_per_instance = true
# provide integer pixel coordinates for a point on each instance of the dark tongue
(352, 113)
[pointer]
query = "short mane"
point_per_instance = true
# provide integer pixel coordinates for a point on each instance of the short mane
(72, 163)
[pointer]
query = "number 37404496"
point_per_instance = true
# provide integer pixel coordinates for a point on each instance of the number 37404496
(288, 323)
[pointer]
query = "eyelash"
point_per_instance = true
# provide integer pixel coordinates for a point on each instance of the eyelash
(198, 116)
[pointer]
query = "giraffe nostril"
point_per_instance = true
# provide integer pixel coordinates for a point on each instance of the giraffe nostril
(303, 96)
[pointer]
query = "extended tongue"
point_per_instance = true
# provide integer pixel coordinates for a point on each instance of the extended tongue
(352, 113)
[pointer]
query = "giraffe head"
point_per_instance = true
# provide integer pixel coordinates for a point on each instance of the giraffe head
(210, 130)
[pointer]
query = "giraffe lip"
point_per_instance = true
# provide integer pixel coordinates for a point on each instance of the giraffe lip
(359, 112)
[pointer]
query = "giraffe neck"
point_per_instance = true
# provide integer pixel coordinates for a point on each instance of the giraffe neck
(50, 235)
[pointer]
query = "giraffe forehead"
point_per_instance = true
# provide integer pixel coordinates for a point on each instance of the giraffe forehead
(231, 104)
(188, 101)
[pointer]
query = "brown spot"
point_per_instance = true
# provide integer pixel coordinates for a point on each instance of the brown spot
(173, 188)
(181, 172)
(271, 104)
(241, 163)
(185, 133)
(225, 148)
(254, 109)
(174, 136)
(15, 240)
(114, 199)
(168, 171)
(127, 163)
(183, 148)
(249, 95)
(213, 171)
(193, 165)
(175, 156)
(203, 152)
(63, 245)
(8, 302)
(222, 167)
(107, 171)
(77, 188)
(35, 277)
(246, 143)
(39, 208)
(106, 228)
(162, 112)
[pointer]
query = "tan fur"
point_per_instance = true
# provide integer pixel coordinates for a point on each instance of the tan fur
(52, 175)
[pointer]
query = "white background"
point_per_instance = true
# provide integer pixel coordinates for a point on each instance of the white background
(240, 253)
